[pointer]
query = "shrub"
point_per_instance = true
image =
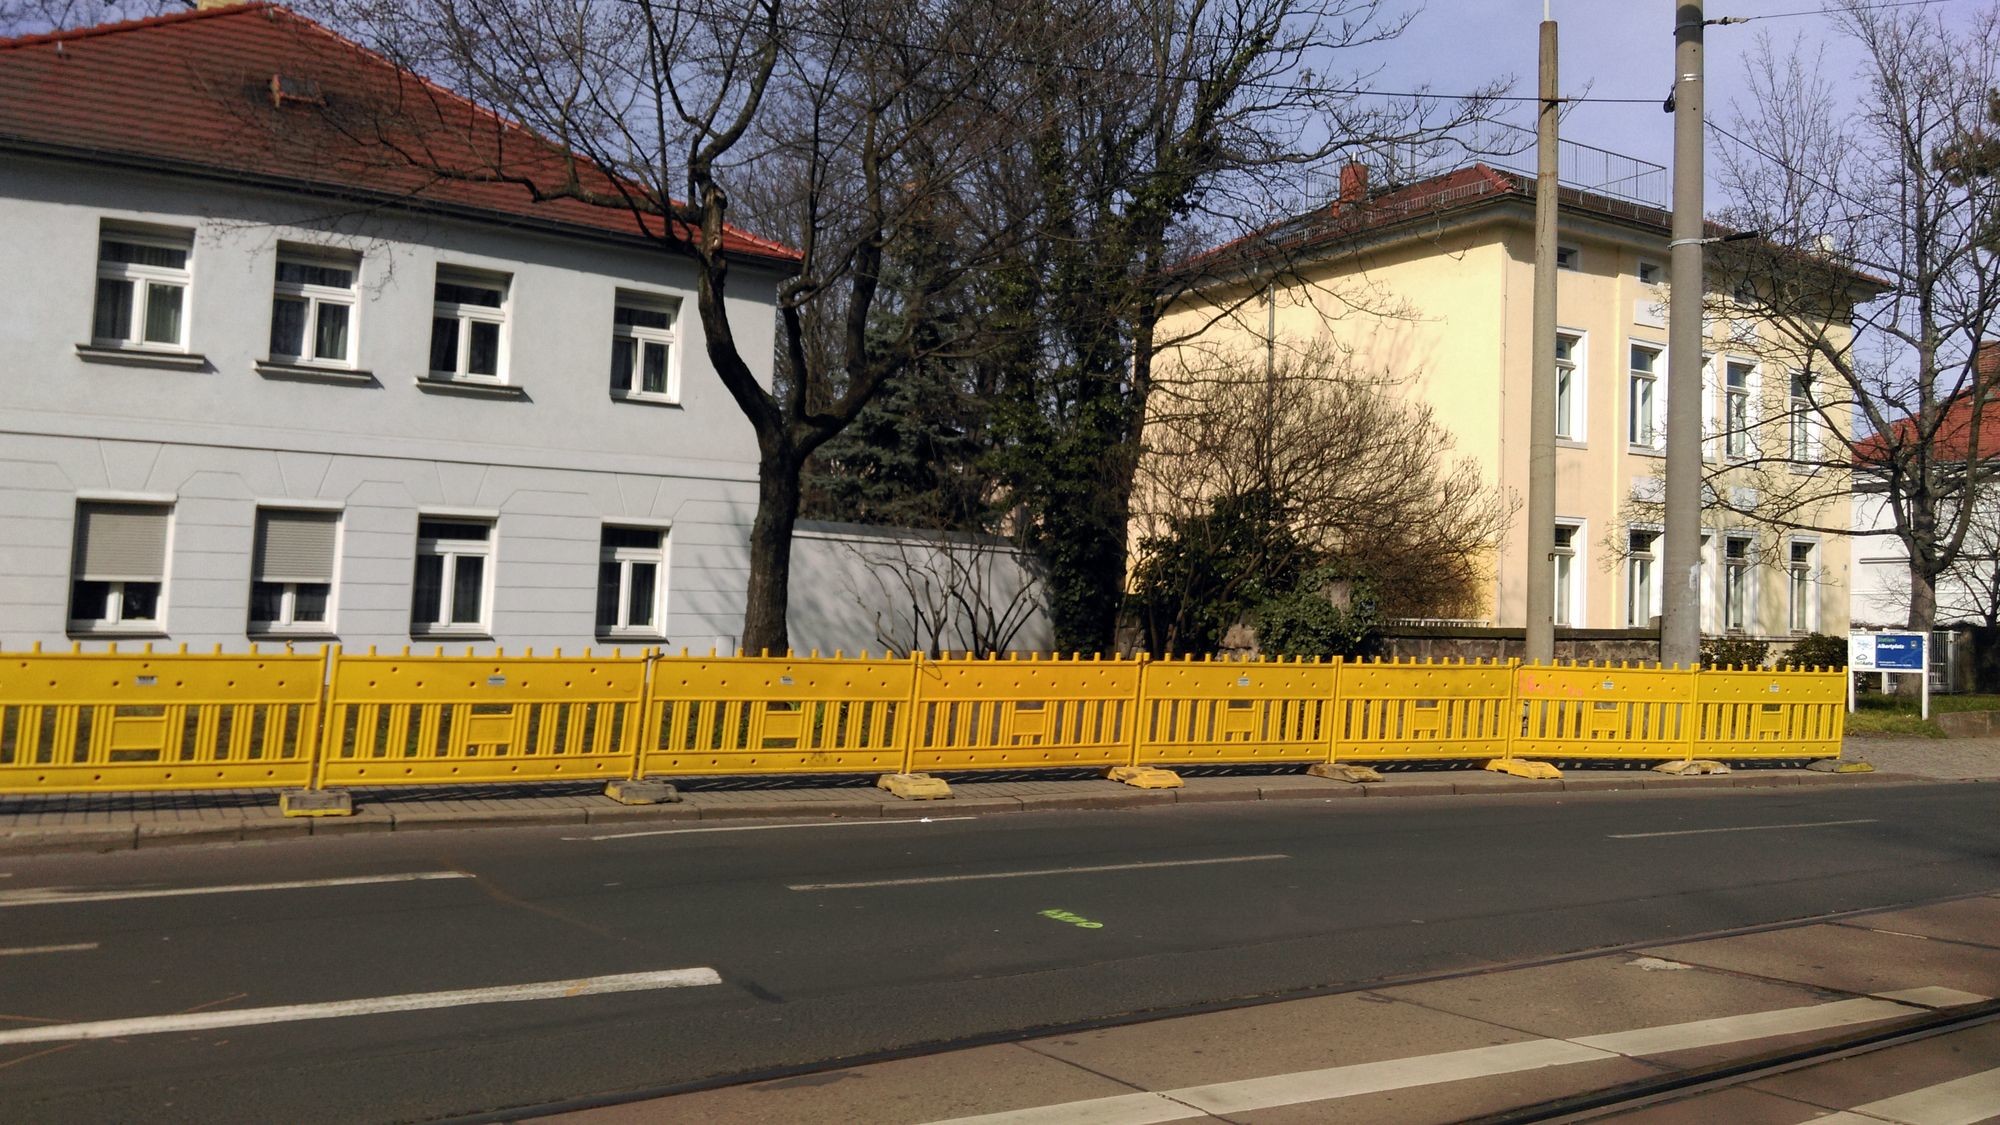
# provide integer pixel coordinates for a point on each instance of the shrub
(1815, 650)
(1739, 652)
(1305, 622)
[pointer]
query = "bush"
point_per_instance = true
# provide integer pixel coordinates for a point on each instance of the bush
(1815, 650)
(1305, 622)
(1738, 652)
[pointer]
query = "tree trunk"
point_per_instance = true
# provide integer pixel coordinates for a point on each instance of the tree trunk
(1923, 598)
(764, 626)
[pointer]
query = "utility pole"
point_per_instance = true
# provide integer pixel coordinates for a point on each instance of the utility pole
(1680, 593)
(1541, 633)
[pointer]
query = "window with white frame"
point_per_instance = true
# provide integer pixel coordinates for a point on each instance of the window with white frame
(142, 289)
(312, 310)
(1569, 386)
(454, 575)
(1736, 408)
(1643, 425)
(1641, 594)
(642, 347)
(1567, 258)
(1804, 611)
(1736, 583)
(1568, 574)
(1800, 414)
(630, 564)
(468, 323)
(119, 565)
(1650, 273)
(291, 570)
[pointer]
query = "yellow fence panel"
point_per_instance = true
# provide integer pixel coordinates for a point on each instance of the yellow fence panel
(417, 720)
(1605, 711)
(753, 715)
(1766, 713)
(1394, 710)
(111, 721)
(987, 714)
(1208, 711)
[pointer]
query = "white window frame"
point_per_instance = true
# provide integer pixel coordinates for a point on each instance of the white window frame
(625, 557)
(314, 296)
(467, 315)
(1802, 426)
(1648, 562)
(451, 550)
(1659, 272)
(1579, 383)
(640, 337)
(287, 622)
(115, 620)
(1736, 572)
(1796, 577)
(1657, 377)
(1569, 563)
(142, 278)
(1728, 429)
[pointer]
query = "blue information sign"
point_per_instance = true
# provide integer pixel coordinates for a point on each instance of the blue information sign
(1899, 652)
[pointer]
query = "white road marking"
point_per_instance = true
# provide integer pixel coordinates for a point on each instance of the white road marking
(1030, 874)
(1744, 828)
(45, 896)
(1934, 997)
(25, 950)
(1252, 1094)
(775, 827)
(1962, 1101)
(408, 1002)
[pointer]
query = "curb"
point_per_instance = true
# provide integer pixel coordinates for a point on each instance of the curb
(381, 818)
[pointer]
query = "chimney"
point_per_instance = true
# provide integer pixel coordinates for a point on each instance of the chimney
(1353, 184)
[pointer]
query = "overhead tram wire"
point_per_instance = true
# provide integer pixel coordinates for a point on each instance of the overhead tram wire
(1831, 11)
(1116, 72)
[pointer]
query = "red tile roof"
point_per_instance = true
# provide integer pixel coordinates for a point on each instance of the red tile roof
(1953, 440)
(196, 91)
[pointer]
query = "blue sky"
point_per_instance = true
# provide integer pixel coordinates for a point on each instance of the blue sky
(1618, 49)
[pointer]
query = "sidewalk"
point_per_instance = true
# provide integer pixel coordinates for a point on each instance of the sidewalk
(118, 821)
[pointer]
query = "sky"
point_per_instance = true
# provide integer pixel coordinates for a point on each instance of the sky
(1611, 49)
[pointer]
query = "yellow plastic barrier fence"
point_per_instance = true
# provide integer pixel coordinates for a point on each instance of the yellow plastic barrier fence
(1015, 714)
(1397, 710)
(1192, 712)
(748, 715)
(425, 720)
(120, 721)
(1766, 713)
(1602, 711)
(112, 721)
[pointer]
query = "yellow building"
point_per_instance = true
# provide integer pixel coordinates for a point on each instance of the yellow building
(1431, 284)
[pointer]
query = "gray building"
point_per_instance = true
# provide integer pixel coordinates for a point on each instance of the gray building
(249, 395)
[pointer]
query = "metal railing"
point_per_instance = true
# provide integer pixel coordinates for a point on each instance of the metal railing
(99, 722)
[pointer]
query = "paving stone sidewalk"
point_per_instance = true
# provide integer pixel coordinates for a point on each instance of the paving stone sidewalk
(1929, 757)
(118, 821)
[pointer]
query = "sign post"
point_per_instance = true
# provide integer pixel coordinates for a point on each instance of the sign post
(1889, 653)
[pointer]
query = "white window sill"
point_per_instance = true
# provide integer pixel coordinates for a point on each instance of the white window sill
(1646, 450)
(451, 633)
(314, 373)
(431, 384)
(144, 630)
(291, 633)
(619, 636)
(141, 357)
(646, 399)
(1571, 443)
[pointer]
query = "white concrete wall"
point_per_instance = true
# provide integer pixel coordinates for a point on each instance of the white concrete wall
(875, 588)
(550, 466)
(1881, 595)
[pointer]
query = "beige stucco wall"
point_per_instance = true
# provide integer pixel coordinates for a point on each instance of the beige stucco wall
(1449, 311)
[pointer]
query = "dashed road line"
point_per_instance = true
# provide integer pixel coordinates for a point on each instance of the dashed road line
(773, 827)
(1962, 1101)
(1093, 869)
(27, 950)
(49, 896)
(1740, 828)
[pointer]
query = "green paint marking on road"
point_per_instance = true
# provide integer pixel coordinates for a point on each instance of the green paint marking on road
(1076, 920)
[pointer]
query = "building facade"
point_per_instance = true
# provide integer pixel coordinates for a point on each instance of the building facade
(1429, 287)
(250, 403)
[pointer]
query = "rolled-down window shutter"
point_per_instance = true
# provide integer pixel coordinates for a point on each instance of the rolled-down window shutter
(121, 542)
(294, 547)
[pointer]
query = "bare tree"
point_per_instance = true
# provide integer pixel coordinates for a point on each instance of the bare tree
(842, 127)
(1310, 461)
(32, 17)
(961, 593)
(1867, 296)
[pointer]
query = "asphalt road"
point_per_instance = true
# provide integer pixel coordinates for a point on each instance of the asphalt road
(1232, 901)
